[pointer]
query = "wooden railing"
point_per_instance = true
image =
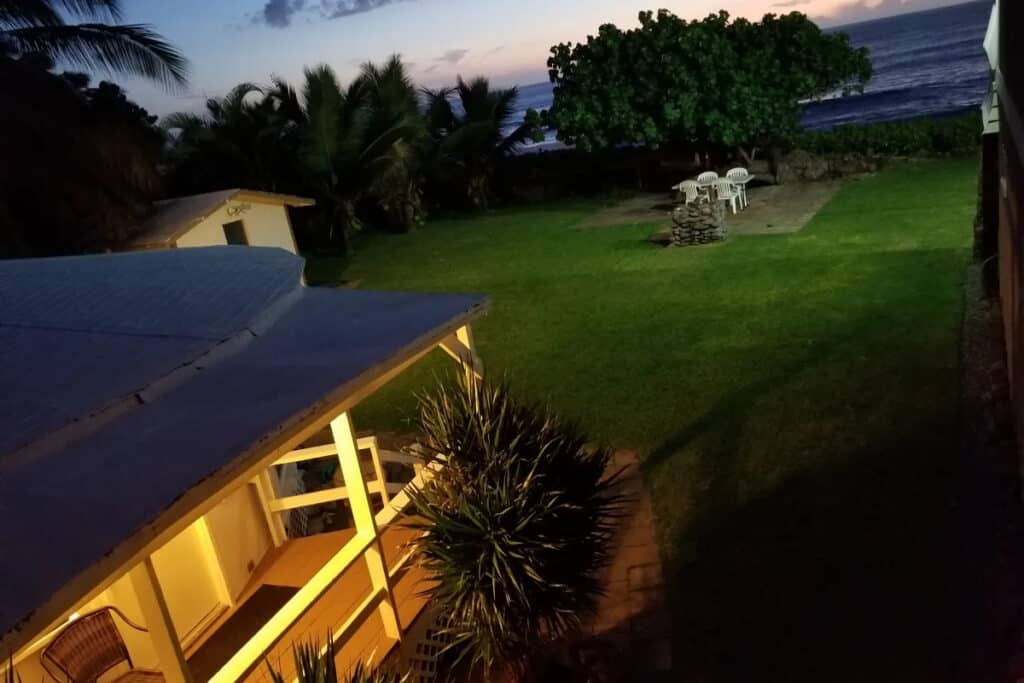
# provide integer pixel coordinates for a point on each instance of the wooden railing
(365, 545)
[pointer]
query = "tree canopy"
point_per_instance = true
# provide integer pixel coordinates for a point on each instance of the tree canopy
(715, 81)
(80, 163)
(466, 124)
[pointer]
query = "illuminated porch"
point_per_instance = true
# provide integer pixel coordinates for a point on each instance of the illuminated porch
(293, 565)
(355, 585)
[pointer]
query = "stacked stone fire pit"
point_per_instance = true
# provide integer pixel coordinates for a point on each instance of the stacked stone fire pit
(698, 223)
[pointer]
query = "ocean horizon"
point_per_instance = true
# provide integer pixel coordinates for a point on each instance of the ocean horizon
(926, 64)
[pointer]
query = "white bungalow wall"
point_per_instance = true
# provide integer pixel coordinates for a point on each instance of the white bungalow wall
(266, 225)
(240, 536)
(187, 570)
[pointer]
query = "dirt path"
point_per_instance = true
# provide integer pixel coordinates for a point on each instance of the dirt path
(779, 209)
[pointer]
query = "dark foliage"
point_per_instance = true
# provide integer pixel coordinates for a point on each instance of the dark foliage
(80, 163)
(465, 125)
(517, 524)
(920, 137)
(314, 665)
(40, 27)
(715, 81)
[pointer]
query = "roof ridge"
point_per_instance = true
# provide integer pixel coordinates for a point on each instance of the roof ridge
(223, 349)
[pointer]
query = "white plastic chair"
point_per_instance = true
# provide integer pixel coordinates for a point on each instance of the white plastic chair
(727, 192)
(707, 179)
(690, 190)
(740, 177)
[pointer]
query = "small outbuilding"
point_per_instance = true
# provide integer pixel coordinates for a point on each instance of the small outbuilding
(241, 217)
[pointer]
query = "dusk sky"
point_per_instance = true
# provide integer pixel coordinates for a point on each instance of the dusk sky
(231, 41)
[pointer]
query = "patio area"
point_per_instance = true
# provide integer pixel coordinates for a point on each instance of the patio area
(281, 574)
(772, 210)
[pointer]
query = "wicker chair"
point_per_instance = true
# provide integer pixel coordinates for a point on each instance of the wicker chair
(90, 646)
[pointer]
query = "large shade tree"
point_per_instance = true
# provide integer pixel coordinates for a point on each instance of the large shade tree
(712, 82)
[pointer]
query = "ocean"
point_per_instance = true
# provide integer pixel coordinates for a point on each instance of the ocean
(925, 64)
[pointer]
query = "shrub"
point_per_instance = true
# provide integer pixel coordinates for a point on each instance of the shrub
(314, 666)
(929, 136)
(516, 525)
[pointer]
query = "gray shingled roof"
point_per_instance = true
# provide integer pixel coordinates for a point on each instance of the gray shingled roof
(130, 378)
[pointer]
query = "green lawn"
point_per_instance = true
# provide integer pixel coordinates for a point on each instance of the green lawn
(795, 397)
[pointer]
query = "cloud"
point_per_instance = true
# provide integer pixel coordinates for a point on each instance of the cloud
(336, 9)
(279, 13)
(792, 3)
(496, 50)
(453, 56)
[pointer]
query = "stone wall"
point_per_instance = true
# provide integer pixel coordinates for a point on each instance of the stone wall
(698, 223)
(800, 165)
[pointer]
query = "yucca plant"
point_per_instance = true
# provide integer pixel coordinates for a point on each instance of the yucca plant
(313, 665)
(516, 526)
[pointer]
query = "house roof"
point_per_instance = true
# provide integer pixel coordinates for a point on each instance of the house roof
(132, 381)
(172, 218)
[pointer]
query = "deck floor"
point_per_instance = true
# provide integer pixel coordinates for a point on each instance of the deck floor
(294, 563)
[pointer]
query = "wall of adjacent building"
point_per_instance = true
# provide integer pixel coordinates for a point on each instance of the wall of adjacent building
(240, 535)
(266, 225)
(1011, 198)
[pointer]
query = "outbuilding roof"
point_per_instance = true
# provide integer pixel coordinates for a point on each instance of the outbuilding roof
(131, 379)
(172, 218)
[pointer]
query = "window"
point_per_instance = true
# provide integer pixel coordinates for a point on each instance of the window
(234, 233)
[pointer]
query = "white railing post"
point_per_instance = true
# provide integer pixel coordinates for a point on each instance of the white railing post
(267, 494)
(362, 514)
(158, 622)
(378, 467)
(460, 346)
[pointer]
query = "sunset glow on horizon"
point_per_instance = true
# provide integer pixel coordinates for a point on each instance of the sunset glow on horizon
(250, 40)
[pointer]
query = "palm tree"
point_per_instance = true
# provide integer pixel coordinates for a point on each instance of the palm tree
(243, 139)
(395, 107)
(39, 27)
(469, 140)
(355, 150)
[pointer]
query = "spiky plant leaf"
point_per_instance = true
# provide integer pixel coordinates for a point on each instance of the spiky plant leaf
(515, 528)
(314, 664)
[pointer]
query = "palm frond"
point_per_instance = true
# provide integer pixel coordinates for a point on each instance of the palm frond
(439, 114)
(183, 121)
(322, 134)
(103, 10)
(23, 13)
(234, 104)
(285, 98)
(132, 49)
